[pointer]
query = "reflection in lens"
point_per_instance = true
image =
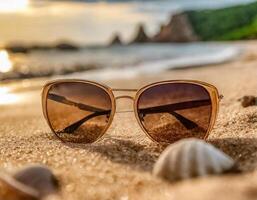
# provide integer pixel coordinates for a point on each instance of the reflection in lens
(172, 111)
(78, 112)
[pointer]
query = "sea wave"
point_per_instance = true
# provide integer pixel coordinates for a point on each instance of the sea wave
(224, 54)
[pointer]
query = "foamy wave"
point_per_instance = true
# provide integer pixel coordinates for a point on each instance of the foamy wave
(218, 57)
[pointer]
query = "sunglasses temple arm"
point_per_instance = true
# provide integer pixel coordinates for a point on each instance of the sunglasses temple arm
(175, 106)
(189, 124)
(186, 122)
(71, 128)
(80, 106)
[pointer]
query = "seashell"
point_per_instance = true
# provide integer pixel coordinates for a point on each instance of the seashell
(192, 158)
(31, 183)
(39, 178)
(10, 189)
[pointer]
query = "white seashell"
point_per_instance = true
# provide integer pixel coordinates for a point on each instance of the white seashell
(31, 183)
(192, 158)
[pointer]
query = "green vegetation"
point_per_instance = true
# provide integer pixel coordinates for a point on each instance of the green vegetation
(233, 23)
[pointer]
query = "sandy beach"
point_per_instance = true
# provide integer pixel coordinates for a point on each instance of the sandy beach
(119, 166)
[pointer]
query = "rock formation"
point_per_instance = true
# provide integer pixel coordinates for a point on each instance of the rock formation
(16, 48)
(21, 48)
(140, 36)
(66, 46)
(178, 29)
(116, 40)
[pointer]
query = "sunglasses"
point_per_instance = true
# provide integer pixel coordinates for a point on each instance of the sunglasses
(81, 111)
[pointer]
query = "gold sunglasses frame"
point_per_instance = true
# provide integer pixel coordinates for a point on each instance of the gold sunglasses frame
(212, 91)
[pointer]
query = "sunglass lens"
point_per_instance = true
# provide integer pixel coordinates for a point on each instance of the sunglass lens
(172, 111)
(78, 112)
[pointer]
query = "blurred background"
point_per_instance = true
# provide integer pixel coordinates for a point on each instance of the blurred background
(42, 38)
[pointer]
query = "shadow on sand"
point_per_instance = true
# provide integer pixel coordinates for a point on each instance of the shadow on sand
(142, 156)
(243, 150)
(127, 152)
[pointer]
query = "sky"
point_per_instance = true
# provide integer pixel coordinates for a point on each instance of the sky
(34, 21)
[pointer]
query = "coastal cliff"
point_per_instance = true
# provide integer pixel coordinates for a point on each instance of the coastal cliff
(179, 29)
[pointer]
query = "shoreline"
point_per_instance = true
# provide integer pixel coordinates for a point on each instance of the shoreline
(220, 53)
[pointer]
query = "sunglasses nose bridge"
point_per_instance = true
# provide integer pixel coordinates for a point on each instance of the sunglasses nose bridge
(125, 97)
(123, 107)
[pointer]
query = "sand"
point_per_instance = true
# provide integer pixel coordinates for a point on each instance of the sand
(119, 166)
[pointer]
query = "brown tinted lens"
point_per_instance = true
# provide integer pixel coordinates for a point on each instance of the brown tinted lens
(78, 112)
(173, 111)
